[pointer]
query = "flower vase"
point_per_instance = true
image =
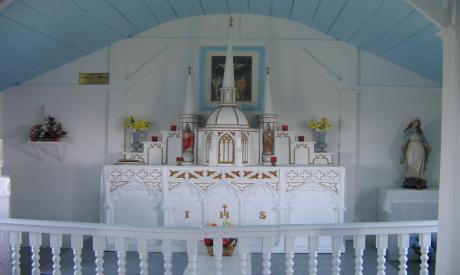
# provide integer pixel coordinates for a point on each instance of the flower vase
(137, 145)
(320, 141)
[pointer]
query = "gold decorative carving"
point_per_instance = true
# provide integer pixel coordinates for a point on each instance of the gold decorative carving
(204, 185)
(262, 215)
(224, 214)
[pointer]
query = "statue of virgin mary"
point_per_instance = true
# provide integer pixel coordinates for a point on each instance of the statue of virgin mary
(415, 151)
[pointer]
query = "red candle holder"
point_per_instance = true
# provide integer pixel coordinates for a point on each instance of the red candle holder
(284, 127)
(154, 138)
(179, 160)
(173, 127)
(273, 160)
(301, 138)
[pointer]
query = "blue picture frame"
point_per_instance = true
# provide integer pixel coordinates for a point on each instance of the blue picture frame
(253, 57)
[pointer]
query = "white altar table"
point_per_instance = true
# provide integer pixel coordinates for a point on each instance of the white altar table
(155, 195)
(399, 204)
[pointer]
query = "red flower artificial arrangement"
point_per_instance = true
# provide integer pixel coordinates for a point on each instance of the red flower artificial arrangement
(228, 244)
(49, 130)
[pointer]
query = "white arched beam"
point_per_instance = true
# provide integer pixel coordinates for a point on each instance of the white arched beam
(437, 14)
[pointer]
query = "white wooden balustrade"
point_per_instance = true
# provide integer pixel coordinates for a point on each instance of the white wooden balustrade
(101, 233)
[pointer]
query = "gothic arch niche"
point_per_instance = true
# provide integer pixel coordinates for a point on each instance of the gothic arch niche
(245, 148)
(208, 147)
(226, 152)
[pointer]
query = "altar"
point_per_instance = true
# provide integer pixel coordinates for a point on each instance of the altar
(151, 195)
(225, 171)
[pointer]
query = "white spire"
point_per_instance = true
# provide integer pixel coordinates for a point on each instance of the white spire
(268, 106)
(229, 77)
(188, 107)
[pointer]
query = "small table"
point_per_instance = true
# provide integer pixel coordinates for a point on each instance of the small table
(399, 204)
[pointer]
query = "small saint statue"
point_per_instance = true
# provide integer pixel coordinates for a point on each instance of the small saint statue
(415, 151)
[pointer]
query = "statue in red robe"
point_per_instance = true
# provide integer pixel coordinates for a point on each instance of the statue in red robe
(188, 140)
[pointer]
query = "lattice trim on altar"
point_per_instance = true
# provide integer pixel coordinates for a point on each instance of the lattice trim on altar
(325, 179)
(148, 178)
(240, 179)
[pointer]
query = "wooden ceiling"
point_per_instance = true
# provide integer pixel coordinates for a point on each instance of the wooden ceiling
(39, 35)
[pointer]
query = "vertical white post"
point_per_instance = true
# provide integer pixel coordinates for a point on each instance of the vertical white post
(143, 256)
(243, 253)
(217, 250)
(359, 243)
(5, 262)
(267, 244)
(167, 256)
(35, 240)
(337, 243)
(289, 255)
(76, 242)
(382, 246)
(425, 243)
(120, 247)
(313, 245)
(403, 244)
(191, 254)
(15, 243)
(98, 247)
(55, 244)
(447, 258)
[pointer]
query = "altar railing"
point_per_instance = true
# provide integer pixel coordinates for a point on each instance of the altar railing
(14, 233)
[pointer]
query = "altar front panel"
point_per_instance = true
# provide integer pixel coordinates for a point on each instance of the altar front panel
(195, 195)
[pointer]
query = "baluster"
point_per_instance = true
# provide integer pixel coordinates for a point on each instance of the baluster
(382, 245)
(35, 240)
(313, 244)
(243, 252)
(5, 264)
(267, 244)
(359, 243)
(55, 244)
(337, 243)
(76, 242)
(15, 243)
(425, 243)
(191, 254)
(120, 247)
(98, 248)
(403, 244)
(167, 256)
(143, 256)
(289, 255)
(217, 250)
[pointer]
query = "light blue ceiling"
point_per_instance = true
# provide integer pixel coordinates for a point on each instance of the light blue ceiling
(39, 35)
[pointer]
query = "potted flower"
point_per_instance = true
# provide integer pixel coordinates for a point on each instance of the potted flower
(319, 129)
(228, 244)
(137, 126)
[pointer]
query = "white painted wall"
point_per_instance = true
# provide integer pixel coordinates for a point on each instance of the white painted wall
(312, 75)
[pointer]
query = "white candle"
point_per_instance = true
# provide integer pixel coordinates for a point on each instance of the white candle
(1, 152)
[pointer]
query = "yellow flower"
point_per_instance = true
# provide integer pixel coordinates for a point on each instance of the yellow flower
(322, 125)
(137, 125)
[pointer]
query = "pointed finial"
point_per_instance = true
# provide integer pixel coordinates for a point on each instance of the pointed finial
(231, 19)
(189, 69)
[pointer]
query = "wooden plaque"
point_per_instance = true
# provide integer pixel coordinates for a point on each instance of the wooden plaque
(94, 78)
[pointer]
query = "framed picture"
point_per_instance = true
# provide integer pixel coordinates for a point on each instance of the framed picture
(249, 64)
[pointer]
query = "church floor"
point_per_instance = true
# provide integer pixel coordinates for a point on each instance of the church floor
(180, 262)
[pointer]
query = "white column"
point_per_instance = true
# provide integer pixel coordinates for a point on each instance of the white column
(447, 258)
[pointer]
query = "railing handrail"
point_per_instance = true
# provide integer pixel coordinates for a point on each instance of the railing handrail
(190, 233)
